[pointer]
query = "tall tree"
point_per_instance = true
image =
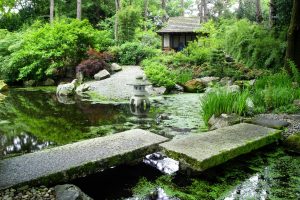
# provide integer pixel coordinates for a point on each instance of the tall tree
(259, 17)
(203, 12)
(51, 11)
(163, 7)
(272, 13)
(146, 4)
(293, 46)
(182, 7)
(118, 6)
(78, 9)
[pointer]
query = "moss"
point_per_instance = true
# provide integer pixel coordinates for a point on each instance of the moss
(96, 97)
(48, 89)
(292, 143)
(225, 155)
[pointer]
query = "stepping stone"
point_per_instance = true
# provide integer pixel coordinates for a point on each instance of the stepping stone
(103, 74)
(271, 123)
(63, 163)
(205, 150)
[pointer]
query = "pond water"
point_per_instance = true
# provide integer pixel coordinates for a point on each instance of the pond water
(31, 120)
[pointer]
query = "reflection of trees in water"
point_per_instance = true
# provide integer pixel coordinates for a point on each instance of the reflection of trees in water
(40, 115)
(21, 143)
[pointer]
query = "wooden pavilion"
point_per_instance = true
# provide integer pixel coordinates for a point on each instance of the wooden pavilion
(178, 32)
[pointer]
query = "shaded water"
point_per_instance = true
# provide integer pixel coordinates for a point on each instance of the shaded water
(268, 173)
(33, 120)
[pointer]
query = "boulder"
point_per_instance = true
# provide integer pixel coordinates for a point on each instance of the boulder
(29, 83)
(82, 88)
(178, 88)
(103, 74)
(297, 102)
(252, 82)
(194, 85)
(223, 120)
(233, 88)
(226, 81)
(208, 80)
(292, 143)
(3, 86)
(271, 123)
(49, 82)
(67, 89)
(70, 192)
(115, 67)
(159, 90)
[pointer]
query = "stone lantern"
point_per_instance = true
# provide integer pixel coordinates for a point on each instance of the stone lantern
(139, 102)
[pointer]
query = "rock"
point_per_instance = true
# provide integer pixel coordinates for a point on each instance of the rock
(49, 82)
(297, 102)
(208, 80)
(250, 104)
(179, 88)
(252, 82)
(82, 88)
(229, 59)
(159, 90)
(271, 123)
(292, 143)
(233, 88)
(194, 85)
(29, 83)
(3, 86)
(67, 89)
(223, 121)
(115, 67)
(70, 192)
(162, 163)
(226, 81)
(103, 74)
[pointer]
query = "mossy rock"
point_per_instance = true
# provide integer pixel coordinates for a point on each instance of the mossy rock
(2, 97)
(194, 86)
(3, 86)
(292, 143)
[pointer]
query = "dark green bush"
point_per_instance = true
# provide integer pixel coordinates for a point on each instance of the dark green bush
(44, 48)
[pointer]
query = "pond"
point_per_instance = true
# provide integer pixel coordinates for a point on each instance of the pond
(34, 119)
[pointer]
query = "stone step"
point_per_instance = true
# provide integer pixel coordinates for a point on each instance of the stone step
(206, 150)
(271, 123)
(70, 161)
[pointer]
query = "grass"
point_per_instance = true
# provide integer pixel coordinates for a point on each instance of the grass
(220, 102)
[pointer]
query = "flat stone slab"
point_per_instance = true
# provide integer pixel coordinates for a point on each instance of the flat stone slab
(205, 150)
(271, 123)
(78, 159)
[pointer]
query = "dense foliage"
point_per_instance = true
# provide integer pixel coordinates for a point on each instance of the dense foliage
(43, 48)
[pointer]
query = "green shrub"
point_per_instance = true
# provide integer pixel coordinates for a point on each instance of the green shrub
(44, 48)
(216, 103)
(132, 53)
(160, 75)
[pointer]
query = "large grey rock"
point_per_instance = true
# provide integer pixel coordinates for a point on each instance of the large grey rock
(67, 89)
(29, 83)
(159, 90)
(49, 82)
(206, 150)
(82, 88)
(162, 163)
(226, 81)
(292, 143)
(3, 86)
(115, 67)
(2, 97)
(297, 102)
(78, 159)
(233, 88)
(70, 192)
(223, 120)
(250, 104)
(103, 74)
(271, 123)
(208, 80)
(195, 85)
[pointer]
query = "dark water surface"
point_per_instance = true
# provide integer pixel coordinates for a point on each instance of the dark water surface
(31, 120)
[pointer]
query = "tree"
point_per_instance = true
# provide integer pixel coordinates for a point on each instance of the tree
(51, 11)
(78, 9)
(259, 17)
(293, 41)
(118, 6)
(272, 13)
(203, 12)
(182, 7)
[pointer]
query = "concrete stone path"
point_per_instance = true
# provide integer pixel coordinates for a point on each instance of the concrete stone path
(205, 150)
(77, 159)
(116, 87)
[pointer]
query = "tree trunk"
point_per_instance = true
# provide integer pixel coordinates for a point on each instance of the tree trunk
(293, 46)
(205, 13)
(51, 11)
(163, 7)
(118, 6)
(182, 7)
(200, 9)
(79, 9)
(259, 17)
(272, 14)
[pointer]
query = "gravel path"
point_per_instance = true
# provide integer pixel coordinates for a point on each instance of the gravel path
(25, 192)
(116, 86)
(294, 121)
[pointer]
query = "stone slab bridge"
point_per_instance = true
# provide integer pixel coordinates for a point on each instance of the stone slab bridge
(198, 152)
